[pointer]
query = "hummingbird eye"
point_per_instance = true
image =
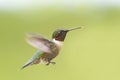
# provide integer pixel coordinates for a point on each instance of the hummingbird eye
(59, 32)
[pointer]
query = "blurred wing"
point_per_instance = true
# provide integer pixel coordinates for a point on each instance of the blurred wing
(39, 42)
(35, 57)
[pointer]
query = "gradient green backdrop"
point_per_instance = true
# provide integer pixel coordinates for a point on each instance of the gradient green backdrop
(91, 53)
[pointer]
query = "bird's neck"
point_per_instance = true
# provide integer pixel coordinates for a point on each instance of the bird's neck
(58, 43)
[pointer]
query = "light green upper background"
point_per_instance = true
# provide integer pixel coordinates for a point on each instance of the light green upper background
(90, 53)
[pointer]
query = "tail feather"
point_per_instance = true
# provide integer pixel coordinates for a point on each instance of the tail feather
(24, 66)
(33, 60)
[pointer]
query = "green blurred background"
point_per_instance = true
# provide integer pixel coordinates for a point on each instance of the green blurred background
(91, 53)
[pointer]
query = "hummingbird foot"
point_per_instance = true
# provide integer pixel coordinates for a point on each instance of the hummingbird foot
(51, 63)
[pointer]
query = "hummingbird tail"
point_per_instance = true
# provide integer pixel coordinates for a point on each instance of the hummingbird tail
(26, 65)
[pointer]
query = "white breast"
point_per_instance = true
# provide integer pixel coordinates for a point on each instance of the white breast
(58, 43)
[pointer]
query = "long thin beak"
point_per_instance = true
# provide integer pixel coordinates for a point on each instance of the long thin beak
(73, 28)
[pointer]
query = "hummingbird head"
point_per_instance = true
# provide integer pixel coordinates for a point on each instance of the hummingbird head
(60, 34)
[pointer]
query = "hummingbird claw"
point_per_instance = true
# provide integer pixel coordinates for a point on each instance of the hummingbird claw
(48, 63)
(51, 63)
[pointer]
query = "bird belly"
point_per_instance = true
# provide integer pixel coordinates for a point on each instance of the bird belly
(47, 57)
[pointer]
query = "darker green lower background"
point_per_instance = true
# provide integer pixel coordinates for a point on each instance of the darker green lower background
(91, 53)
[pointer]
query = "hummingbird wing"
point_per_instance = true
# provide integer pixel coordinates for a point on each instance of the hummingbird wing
(39, 42)
(33, 59)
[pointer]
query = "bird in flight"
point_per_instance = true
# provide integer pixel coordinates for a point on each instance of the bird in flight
(47, 49)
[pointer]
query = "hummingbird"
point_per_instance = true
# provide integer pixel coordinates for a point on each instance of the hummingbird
(47, 49)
